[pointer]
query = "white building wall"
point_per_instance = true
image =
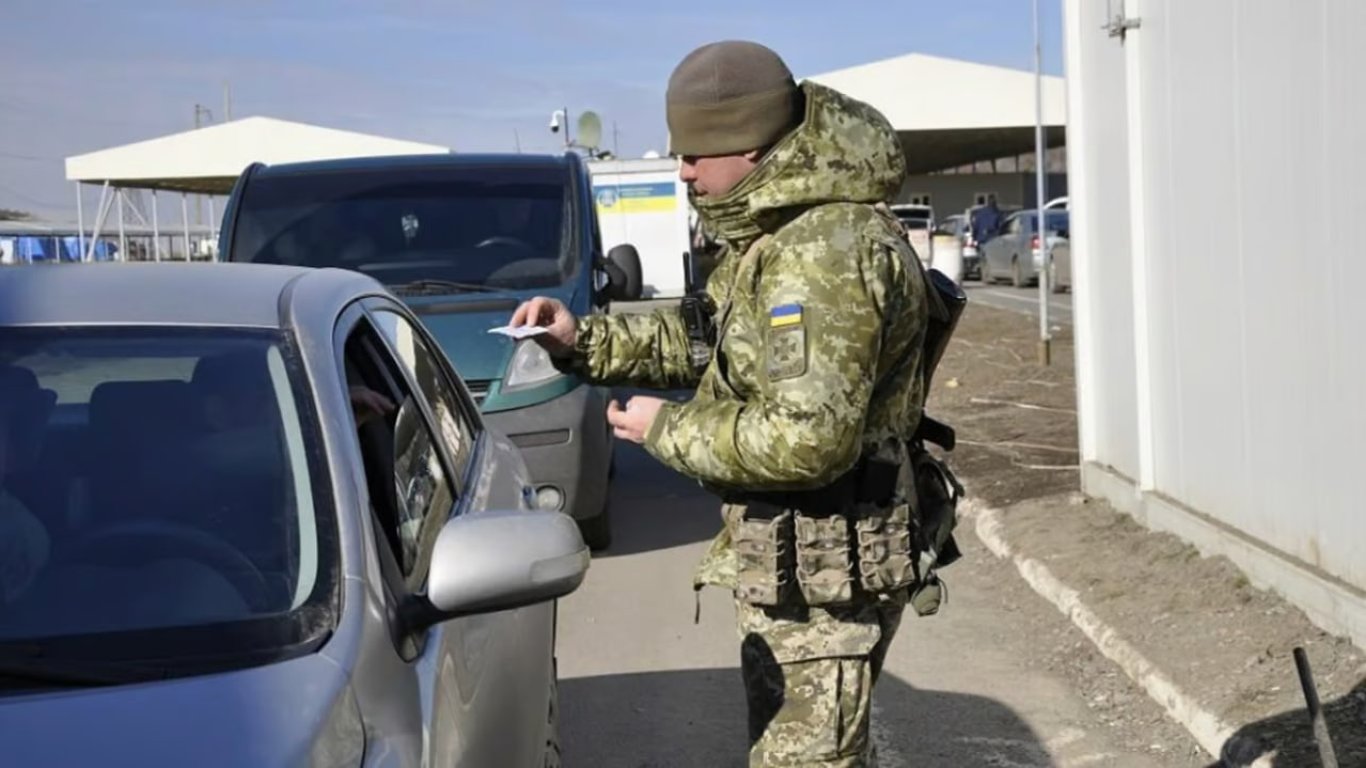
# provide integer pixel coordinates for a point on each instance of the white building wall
(1097, 141)
(1225, 394)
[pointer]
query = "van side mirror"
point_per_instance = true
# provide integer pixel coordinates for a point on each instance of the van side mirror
(623, 269)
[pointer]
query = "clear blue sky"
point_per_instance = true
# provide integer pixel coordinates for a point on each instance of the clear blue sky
(470, 74)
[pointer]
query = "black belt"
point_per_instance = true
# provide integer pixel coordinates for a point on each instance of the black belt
(868, 482)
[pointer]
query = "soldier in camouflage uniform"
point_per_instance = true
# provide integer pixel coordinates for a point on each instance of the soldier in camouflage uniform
(815, 374)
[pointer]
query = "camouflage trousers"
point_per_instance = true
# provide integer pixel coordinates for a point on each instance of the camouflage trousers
(809, 675)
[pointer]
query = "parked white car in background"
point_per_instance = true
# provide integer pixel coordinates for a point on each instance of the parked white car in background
(955, 251)
(919, 223)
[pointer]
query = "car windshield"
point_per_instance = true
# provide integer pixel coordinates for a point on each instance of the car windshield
(1057, 221)
(154, 482)
(467, 226)
(915, 218)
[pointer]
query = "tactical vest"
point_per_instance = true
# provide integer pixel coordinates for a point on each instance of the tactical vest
(885, 526)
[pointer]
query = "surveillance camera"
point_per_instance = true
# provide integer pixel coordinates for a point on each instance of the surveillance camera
(555, 121)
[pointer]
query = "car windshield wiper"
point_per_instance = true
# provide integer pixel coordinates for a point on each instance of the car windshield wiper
(430, 286)
(49, 673)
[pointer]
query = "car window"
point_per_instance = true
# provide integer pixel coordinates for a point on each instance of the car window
(501, 227)
(423, 363)
(1058, 221)
(157, 478)
(411, 494)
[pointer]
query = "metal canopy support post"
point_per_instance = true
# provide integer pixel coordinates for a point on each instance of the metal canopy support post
(1041, 226)
(213, 219)
(123, 238)
(156, 229)
(185, 220)
(80, 222)
(100, 213)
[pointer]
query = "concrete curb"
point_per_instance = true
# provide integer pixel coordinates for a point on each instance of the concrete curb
(1208, 730)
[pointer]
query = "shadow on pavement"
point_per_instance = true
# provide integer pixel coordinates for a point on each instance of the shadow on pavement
(697, 718)
(1291, 736)
(654, 507)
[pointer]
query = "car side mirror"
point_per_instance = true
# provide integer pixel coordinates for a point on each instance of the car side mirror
(623, 266)
(495, 561)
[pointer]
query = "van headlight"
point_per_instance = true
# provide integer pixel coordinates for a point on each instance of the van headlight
(530, 366)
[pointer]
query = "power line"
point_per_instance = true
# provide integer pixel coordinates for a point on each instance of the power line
(30, 200)
(16, 156)
(18, 109)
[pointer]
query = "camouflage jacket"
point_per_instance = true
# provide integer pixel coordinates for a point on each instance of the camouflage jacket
(821, 314)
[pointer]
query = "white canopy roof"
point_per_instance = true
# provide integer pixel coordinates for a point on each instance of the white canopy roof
(951, 112)
(208, 160)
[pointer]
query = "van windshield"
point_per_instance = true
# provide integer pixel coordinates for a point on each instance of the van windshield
(471, 227)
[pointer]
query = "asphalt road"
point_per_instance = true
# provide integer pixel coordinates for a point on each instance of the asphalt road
(643, 685)
(1022, 300)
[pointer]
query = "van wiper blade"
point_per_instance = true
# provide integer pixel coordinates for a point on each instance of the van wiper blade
(429, 286)
(48, 673)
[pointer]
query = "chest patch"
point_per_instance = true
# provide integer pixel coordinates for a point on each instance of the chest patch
(785, 315)
(786, 342)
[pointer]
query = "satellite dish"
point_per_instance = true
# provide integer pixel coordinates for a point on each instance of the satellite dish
(590, 130)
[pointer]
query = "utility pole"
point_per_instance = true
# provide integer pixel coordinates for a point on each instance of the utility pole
(1041, 225)
(199, 110)
(227, 102)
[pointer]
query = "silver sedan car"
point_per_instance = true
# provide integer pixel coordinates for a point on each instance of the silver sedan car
(249, 515)
(1014, 254)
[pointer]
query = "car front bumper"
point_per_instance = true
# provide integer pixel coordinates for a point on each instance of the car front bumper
(566, 445)
(972, 262)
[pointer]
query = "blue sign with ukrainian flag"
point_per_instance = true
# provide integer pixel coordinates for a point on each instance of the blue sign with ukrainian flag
(636, 198)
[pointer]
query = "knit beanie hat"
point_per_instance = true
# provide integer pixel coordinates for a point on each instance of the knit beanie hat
(729, 97)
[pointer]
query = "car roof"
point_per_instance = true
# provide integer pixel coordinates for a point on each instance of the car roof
(447, 160)
(166, 293)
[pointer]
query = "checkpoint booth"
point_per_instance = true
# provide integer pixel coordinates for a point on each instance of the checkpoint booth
(643, 203)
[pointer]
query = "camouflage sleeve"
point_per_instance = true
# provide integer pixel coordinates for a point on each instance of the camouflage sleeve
(644, 350)
(820, 305)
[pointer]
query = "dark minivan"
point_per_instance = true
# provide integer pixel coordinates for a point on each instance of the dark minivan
(462, 239)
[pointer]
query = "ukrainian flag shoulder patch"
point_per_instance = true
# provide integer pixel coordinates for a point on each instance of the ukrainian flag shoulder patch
(784, 315)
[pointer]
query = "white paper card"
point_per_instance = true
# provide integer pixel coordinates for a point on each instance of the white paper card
(520, 332)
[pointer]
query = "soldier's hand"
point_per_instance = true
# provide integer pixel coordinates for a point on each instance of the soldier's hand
(633, 422)
(552, 315)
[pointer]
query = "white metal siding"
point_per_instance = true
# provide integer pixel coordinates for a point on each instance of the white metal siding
(1248, 152)
(1099, 180)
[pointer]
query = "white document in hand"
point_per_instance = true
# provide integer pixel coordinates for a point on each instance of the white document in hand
(520, 332)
